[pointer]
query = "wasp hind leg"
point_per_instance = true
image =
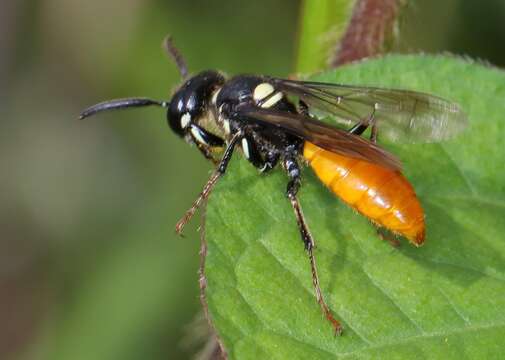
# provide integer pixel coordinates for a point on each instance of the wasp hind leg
(303, 108)
(360, 127)
(387, 236)
(293, 170)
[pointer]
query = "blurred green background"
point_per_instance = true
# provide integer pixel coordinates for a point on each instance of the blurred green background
(90, 267)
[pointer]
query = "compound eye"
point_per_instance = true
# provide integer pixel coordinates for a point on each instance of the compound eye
(177, 117)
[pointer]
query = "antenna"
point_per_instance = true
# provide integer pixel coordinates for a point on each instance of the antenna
(121, 104)
(174, 53)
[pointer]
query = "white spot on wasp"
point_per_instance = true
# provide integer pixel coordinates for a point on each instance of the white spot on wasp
(262, 91)
(214, 96)
(245, 148)
(272, 100)
(265, 95)
(226, 126)
(185, 120)
(197, 135)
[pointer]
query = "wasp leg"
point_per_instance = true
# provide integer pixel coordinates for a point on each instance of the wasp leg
(207, 153)
(374, 133)
(270, 162)
(388, 236)
(303, 108)
(205, 141)
(293, 170)
(360, 127)
(221, 169)
(264, 162)
(357, 129)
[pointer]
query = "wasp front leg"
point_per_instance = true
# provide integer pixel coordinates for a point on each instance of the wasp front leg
(206, 142)
(293, 170)
(208, 153)
(207, 189)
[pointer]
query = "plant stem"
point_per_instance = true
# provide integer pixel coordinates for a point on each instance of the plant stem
(322, 24)
(335, 32)
(370, 29)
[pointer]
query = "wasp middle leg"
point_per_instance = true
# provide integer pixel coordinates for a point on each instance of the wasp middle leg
(293, 170)
(264, 162)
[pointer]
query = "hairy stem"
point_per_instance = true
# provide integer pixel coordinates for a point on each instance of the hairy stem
(371, 27)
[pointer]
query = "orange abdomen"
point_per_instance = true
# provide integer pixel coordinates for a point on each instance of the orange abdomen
(381, 194)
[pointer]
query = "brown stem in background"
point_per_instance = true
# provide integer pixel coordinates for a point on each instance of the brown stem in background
(371, 26)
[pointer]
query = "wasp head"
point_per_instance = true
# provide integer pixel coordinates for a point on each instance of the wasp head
(192, 99)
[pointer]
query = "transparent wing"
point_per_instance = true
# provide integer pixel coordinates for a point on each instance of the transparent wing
(400, 115)
(322, 135)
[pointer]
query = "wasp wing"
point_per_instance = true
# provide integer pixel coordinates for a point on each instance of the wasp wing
(400, 115)
(321, 134)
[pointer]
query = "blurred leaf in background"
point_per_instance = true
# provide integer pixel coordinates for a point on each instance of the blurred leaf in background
(90, 267)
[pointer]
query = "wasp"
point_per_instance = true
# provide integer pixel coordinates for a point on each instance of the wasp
(279, 122)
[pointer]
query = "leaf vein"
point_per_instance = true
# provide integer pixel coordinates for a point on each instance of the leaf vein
(463, 267)
(460, 171)
(388, 296)
(453, 306)
(431, 335)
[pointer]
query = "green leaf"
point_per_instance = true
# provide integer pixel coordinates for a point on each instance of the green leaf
(321, 26)
(443, 300)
